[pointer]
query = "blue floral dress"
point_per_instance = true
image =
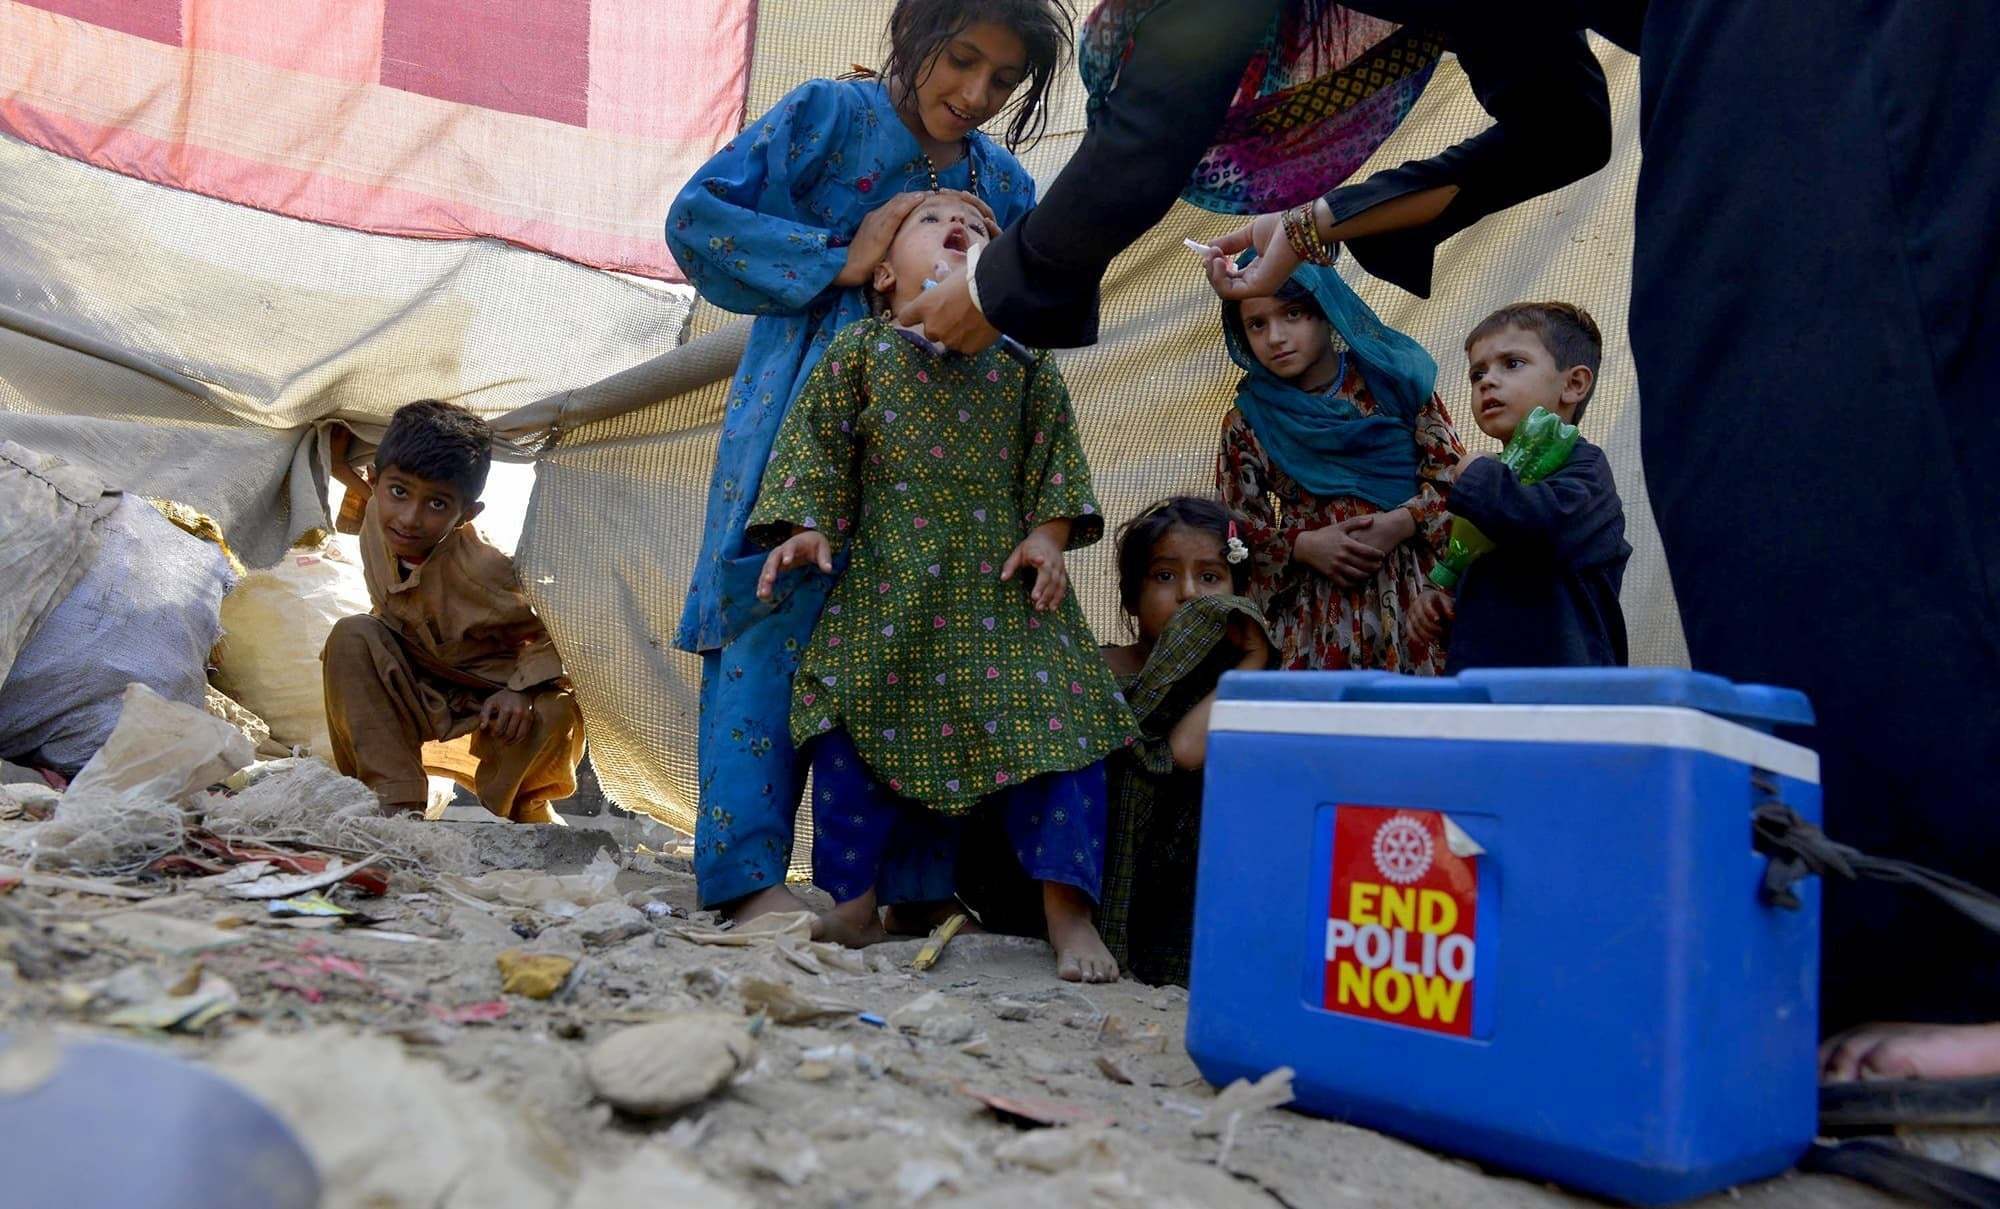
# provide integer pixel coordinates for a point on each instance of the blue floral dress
(763, 230)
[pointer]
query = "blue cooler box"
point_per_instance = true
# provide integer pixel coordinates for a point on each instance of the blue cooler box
(1514, 916)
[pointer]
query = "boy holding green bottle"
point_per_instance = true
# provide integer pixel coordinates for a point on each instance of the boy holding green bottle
(1546, 594)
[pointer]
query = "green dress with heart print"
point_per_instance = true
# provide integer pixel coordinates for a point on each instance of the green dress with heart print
(932, 469)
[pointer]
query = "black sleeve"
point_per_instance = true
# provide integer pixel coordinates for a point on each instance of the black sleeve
(1574, 516)
(1038, 282)
(1551, 125)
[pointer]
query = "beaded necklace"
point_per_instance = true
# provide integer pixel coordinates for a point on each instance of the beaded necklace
(971, 169)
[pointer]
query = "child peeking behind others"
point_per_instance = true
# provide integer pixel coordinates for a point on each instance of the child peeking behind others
(1182, 571)
(452, 647)
(950, 671)
(1547, 594)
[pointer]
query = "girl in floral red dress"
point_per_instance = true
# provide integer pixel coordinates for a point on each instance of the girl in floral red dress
(1340, 456)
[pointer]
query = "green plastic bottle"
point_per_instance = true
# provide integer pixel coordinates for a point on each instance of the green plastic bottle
(1539, 447)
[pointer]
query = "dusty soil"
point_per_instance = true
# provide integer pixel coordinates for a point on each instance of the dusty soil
(338, 1025)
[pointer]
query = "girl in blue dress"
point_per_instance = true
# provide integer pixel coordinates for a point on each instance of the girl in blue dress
(787, 223)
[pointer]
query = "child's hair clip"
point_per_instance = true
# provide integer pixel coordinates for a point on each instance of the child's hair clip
(1237, 551)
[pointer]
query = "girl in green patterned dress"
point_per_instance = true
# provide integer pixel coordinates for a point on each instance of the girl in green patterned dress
(950, 669)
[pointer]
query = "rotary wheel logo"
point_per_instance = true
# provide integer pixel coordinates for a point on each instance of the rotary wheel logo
(1403, 850)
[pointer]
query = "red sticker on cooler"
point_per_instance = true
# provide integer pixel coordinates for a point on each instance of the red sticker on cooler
(1402, 921)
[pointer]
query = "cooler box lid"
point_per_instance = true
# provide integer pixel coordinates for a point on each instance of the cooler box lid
(1759, 706)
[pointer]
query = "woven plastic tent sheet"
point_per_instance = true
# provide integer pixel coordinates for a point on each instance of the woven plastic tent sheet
(1151, 396)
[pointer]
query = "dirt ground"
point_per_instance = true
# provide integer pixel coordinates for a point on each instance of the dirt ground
(415, 1080)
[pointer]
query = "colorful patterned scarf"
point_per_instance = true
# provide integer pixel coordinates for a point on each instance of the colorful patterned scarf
(1328, 86)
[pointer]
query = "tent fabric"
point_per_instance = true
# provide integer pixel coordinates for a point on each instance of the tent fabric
(1151, 396)
(558, 125)
(184, 348)
(187, 346)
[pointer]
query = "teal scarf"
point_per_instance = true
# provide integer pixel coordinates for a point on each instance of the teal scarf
(1324, 442)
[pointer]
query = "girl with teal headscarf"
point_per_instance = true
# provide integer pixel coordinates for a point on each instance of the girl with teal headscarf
(1339, 456)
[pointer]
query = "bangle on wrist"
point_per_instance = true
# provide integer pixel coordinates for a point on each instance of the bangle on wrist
(1301, 225)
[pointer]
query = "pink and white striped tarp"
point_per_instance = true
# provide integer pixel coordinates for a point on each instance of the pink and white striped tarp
(563, 126)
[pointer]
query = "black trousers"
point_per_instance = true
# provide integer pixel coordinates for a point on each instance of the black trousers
(1816, 320)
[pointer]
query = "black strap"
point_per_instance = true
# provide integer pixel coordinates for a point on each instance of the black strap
(1865, 1105)
(1884, 1165)
(1799, 850)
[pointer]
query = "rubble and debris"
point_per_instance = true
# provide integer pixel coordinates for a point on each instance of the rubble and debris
(934, 1018)
(535, 975)
(672, 1060)
(608, 923)
(127, 807)
(655, 1069)
(786, 1004)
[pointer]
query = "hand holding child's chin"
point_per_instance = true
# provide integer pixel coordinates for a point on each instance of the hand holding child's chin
(947, 316)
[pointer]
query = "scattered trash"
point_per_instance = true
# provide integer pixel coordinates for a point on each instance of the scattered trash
(299, 883)
(1013, 1009)
(1112, 1070)
(933, 947)
(608, 923)
(305, 803)
(658, 910)
(363, 876)
(534, 975)
(471, 1013)
(310, 905)
(187, 1010)
(248, 871)
(125, 809)
(655, 1069)
(166, 934)
(934, 1018)
(1239, 1100)
(762, 930)
(566, 896)
(871, 1020)
(786, 1004)
(1028, 1111)
(79, 885)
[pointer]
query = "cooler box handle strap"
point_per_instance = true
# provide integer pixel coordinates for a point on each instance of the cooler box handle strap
(1799, 850)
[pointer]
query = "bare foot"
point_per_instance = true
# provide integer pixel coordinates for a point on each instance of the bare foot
(765, 902)
(1080, 952)
(855, 923)
(1911, 1051)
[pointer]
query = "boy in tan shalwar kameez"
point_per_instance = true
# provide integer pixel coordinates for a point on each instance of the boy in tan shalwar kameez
(452, 647)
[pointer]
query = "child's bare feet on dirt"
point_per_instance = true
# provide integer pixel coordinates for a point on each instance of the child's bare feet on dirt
(767, 901)
(1080, 952)
(1911, 1051)
(855, 923)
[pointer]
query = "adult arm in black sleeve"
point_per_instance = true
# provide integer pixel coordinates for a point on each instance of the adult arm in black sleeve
(1532, 69)
(1038, 282)
(1573, 516)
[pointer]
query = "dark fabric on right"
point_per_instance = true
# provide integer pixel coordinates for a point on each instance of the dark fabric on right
(1547, 595)
(1815, 310)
